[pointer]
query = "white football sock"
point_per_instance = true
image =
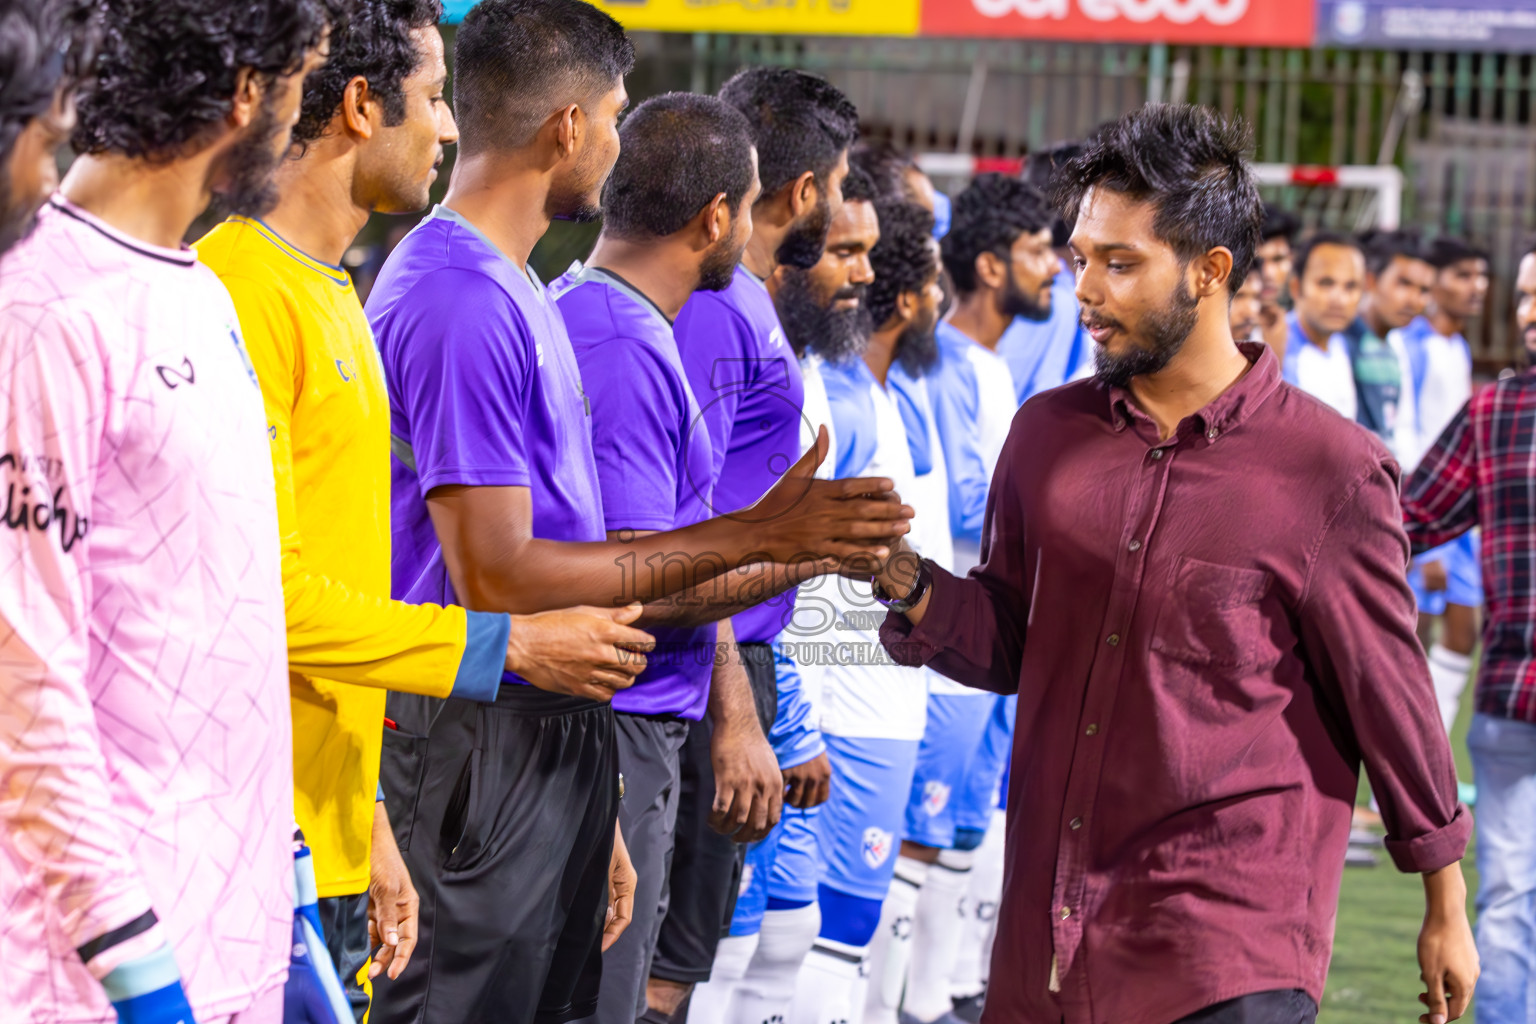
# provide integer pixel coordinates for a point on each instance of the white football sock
(766, 989)
(711, 1001)
(981, 898)
(1449, 670)
(891, 949)
(832, 984)
(936, 928)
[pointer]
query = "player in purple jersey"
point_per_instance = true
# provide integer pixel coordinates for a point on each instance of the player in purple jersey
(145, 861)
(748, 383)
(664, 236)
(497, 506)
(43, 47)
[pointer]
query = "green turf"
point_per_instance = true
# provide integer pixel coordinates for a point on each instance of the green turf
(1374, 978)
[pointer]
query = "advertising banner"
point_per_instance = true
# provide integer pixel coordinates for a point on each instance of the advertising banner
(1201, 22)
(1508, 25)
(802, 17)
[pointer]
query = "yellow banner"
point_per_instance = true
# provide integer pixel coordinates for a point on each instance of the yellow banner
(809, 17)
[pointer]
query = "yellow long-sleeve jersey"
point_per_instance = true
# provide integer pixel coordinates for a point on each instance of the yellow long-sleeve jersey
(328, 422)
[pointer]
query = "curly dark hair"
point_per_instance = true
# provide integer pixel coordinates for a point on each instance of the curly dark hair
(677, 152)
(1190, 163)
(886, 166)
(989, 216)
(800, 123)
(370, 39)
(515, 62)
(903, 260)
(44, 47)
(166, 70)
(859, 187)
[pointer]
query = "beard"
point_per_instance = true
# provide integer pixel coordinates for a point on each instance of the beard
(1165, 330)
(807, 239)
(250, 188)
(1016, 302)
(579, 198)
(718, 267)
(917, 347)
(811, 326)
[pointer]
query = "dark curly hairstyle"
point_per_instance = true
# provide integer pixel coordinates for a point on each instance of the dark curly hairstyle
(44, 47)
(989, 216)
(800, 123)
(166, 70)
(515, 62)
(370, 39)
(677, 152)
(859, 187)
(1189, 163)
(903, 260)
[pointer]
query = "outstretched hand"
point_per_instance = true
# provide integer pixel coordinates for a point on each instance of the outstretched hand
(802, 516)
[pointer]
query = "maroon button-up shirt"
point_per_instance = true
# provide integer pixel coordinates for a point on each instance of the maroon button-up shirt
(1207, 635)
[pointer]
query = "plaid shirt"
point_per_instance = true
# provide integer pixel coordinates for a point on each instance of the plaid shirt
(1482, 472)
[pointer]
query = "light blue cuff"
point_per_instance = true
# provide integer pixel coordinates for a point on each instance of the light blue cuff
(142, 976)
(798, 748)
(380, 798)
(485, 656)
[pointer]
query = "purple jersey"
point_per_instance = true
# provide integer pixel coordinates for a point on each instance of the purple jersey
(747, 381)
(483, 392)
(654, 459)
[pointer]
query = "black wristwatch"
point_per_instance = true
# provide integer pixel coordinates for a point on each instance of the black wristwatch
(915, 595)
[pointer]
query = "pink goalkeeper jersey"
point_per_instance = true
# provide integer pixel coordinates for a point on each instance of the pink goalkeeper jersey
(145, 759)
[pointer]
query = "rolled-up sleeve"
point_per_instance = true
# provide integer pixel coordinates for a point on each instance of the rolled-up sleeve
(1357, 621)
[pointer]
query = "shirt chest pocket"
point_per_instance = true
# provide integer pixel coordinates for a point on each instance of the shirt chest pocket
(1214, 615)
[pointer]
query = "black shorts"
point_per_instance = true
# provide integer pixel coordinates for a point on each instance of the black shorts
(504, 814)
(699, 913)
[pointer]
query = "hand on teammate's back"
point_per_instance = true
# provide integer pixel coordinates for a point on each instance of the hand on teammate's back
(801, 516)
(585, 652)
(808, 785)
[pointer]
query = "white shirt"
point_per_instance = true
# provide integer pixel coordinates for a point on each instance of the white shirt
(1328, 375)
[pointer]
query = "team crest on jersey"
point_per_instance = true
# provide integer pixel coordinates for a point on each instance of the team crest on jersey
(935, 797)
(877, 846)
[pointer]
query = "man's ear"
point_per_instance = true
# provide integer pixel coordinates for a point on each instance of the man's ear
(991, 271)
(246, 102)
(357, 106)
(570, 130)
(1209, 273)
(715, 219)
(803, 194)
(906, 307)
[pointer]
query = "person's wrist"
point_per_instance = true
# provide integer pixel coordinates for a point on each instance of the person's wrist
(517, 654)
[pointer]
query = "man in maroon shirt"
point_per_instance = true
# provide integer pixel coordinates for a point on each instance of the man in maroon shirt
(1193, 576)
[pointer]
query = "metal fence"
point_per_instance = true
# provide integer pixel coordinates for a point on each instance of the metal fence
(1460, 124)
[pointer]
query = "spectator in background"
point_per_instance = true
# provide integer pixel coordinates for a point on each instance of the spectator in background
(1277, 240)
(1437, 366)
(42, 50)
(1247, 307)
(1478, 475)
(1397, 283)
(1327, 279)
(1044, 353)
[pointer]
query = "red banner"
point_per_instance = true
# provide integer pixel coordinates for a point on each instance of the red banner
(1205, 22)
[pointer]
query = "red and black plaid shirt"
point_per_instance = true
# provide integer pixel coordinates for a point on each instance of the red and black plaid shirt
(1482, 472)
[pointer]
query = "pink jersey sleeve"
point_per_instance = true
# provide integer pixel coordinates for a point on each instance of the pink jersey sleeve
(60, 833)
